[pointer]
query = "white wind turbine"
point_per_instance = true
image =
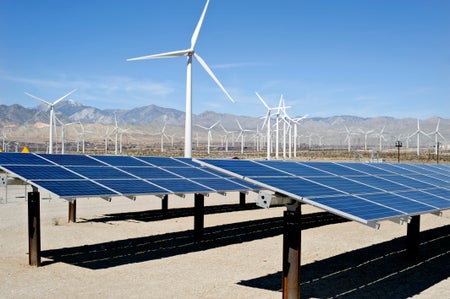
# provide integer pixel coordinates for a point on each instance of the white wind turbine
(163, 135)
(63, 126)
(417, 133)
(381, 138)
(226, 137)
(348, 137)
(209, 134)
(241, 134)
(366, 133)
(267, 123)
(436, 134)
(296, 122)
(52, 113)
(189, 53)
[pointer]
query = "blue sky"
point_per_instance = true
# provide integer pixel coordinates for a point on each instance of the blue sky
(364, 58)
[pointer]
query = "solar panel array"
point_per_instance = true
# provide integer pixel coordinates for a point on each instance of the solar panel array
(364, 192)
(71, 176)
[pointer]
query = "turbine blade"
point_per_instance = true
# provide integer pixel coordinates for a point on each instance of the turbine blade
(63, 97)
(215, 124)
(162, 55)
(262, 100)
(239, 124)
(39, 99)
(198, 27)
(211, 74)
(202, 127)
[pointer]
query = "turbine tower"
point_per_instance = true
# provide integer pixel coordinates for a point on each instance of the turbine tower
(189, 53)
(52, 114)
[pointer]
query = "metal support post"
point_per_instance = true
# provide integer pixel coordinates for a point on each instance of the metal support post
(242, 199)
(199, 212)
(413, 237)
(34, 228)
(72, 211)
(165, 204)
(291, 252)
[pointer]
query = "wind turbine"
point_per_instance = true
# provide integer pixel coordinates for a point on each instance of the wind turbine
(381, 137)
(436, 136)
(417, 133)
(348, 137)
(267, 122)
(209, 134)
(297, 122)
(366, 133)
(226, 137)
(52, 113)
(63, 125)
(241, 134)
(189, 53)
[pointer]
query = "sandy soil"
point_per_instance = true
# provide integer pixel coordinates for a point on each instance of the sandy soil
(128, 249)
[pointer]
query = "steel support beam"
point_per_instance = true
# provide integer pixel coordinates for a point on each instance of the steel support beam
(34, 228)
(199, 213)
(165, 204)
(242, 199)
(291, 252)
(413, 237)
(72, 211)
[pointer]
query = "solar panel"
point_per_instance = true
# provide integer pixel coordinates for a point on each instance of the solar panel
(106, 176)
(363, 192)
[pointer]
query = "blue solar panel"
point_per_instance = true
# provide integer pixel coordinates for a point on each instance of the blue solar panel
(72, 160)
(360, 191)
(21, 159)
(73, 188)
(117, 175)
(428, 198)
(434, 180)
(43, 172)
(132, 186)
(357, 207)
(120, 160)
(399, 203)
(301, 186)
(333, 168)
(218, 184)
(294, 168)
(345, 185)
(384, 183)
(366, 168)
(164, 162)
(100, 172)
(182, 186)
(149, 172)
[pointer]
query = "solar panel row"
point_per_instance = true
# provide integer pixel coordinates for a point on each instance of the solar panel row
(363, 192)
(106, 176)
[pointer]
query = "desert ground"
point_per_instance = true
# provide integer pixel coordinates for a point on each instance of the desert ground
(126, 248)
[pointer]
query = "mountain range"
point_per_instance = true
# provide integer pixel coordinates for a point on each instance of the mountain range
(333, 128)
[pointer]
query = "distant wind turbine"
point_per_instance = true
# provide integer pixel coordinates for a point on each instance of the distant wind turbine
(63, 126)
(366, 133)
(267, 123)
(209, 134)
(417, 133)
(189, 53)
(52, 113)
(436, 134)
(241, 134)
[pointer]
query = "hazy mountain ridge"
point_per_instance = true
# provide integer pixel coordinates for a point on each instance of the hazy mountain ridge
(333, 127)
